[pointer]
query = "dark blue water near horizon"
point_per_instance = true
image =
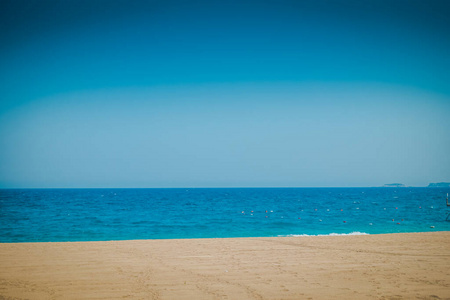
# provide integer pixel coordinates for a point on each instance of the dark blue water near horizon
(54, 215)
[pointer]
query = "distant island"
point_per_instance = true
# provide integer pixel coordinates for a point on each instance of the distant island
(439, 184)
(394, 185)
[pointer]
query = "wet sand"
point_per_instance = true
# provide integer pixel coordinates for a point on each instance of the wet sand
(392, 266)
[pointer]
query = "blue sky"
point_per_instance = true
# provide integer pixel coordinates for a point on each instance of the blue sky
(224, 93)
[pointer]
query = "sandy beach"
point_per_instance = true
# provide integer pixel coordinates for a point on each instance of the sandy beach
(391, 266)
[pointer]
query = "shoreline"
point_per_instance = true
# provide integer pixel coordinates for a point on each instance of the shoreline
(355, 233)
(373, 266)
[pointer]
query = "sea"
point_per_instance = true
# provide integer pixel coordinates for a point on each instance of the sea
(63, 215)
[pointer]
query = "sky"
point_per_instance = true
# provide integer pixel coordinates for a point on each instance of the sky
(124, 94)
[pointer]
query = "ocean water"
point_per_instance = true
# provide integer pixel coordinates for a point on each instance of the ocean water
(52, 215)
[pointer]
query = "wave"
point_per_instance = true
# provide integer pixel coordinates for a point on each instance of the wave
(330, 234)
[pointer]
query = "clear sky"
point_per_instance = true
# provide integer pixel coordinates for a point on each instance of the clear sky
(224, 93)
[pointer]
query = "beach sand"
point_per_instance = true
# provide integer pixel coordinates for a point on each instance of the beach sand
(389, 266)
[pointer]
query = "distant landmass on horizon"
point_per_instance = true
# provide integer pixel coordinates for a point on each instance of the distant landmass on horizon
(394, 185)
(430, 185)
(439, 184)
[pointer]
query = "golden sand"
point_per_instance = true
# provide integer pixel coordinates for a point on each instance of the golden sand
(391, 266)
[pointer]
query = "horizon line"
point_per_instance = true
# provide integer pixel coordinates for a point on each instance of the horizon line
(223, 187)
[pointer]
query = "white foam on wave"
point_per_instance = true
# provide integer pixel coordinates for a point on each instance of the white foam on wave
(330, 234)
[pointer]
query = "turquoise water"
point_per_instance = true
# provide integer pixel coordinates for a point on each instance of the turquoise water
(44, 215)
